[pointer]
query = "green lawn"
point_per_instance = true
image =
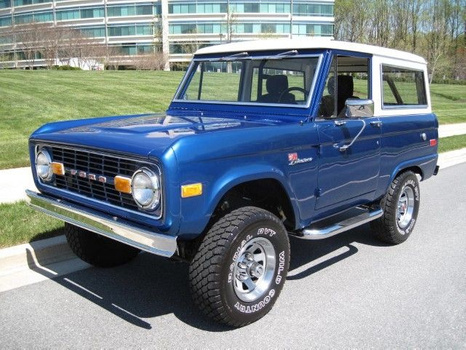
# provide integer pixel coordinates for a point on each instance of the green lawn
(449, 103)
(451, 143)
(31, 98)
(19, 224)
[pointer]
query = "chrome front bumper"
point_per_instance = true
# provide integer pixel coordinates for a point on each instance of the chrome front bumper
(103, 224)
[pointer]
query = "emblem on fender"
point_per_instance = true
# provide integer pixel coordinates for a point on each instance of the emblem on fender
(293, 159)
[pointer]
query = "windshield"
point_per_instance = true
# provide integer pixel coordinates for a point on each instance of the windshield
(260, 80)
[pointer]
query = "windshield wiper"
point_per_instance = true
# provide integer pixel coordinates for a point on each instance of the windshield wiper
(234, 56)
(282, 55)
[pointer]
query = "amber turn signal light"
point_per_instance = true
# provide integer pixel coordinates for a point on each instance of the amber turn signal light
(123, 184)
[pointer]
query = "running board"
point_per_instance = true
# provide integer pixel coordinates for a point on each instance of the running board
(315, 233)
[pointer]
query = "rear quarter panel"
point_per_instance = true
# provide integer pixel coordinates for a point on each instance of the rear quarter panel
(403, 146)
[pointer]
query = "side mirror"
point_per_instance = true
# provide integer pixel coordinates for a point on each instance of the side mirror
(356, 108)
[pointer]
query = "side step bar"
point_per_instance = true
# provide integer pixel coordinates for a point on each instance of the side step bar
(314, 233)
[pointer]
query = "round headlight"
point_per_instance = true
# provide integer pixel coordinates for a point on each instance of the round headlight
(43, 165)
(145, 188)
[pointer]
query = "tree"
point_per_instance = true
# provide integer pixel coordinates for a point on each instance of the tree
(29, 40)
(151, 61)
(434, 29)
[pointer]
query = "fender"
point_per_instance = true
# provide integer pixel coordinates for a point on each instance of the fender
(426, 166)
(217, 189)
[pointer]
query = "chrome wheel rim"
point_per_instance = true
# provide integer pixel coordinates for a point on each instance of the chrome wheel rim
(405, 207)
(254, 269)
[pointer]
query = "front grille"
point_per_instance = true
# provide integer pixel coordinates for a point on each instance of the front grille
(79, 162)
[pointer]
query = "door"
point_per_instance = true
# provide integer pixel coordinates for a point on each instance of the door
(349, 135)
(349, 161)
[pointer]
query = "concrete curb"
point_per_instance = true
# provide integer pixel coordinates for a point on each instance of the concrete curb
(37, 261)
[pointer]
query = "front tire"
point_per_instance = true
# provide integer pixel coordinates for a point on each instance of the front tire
(240, 268)
(401, 207)
(98, 250)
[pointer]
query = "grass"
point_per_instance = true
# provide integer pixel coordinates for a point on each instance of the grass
(449, 103)
(32, 98)
(451, 143)
(21, 224)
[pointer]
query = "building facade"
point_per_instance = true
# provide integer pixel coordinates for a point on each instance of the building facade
(174, 27)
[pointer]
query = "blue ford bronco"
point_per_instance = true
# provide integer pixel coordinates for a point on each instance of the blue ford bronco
(262, 140)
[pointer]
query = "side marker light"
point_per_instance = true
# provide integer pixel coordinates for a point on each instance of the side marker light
(191, 190)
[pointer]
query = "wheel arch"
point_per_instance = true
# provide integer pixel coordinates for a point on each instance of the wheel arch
(264, 189)
(402, 168)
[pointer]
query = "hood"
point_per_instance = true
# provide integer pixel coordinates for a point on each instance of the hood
(138, 134)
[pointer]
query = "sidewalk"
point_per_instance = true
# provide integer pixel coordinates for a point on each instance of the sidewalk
(14, 182)
(452, 130)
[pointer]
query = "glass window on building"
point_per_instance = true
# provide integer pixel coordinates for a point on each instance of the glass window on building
(5, 21)
(5, 3)
(93, 32)
(68, 14)
(29, 2)
(303, 8)
(135, 49)
(92, 13)
(128, 30)
(274, 7)
(133, 10)
(122, 31)
(183, 28)
(34, 17)
(306, 29)
(144, 29)
(63, 15)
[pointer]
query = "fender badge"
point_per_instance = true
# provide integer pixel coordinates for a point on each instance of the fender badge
(293, 159)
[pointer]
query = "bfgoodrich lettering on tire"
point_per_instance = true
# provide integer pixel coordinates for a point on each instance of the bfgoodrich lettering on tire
(240, 267)
(401, 206)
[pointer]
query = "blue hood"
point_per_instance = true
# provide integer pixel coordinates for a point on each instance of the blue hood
(138, 134)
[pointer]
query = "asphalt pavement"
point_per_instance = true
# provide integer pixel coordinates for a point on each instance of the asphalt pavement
(346, 292)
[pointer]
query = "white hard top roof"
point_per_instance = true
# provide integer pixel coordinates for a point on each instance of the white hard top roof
(308, 43)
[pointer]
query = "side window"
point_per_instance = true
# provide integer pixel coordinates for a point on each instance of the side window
(403, 87)
(348, 78)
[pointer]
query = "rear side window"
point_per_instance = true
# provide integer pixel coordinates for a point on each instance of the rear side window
(403, 87)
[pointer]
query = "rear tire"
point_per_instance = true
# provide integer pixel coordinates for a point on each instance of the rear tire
(240, 268)
(401, 207)
(98, 250)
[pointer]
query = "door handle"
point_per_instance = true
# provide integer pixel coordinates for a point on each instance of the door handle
(345, 147)
(340, 122)
(376, 123)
